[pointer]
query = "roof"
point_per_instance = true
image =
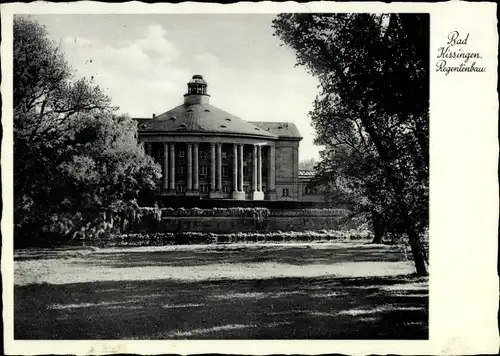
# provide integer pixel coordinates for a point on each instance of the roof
(201, 118)
(306, 173)
(197, 79)
(280, 129)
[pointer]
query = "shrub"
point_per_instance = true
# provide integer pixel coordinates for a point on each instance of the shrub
(189, 238)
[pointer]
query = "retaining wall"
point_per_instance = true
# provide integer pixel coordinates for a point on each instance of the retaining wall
(223, 225)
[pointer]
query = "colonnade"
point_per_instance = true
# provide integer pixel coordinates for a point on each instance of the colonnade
(192, 165)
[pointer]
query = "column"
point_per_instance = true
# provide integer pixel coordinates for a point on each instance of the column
(254, 169)
(271, 170)
(165, 167)
(240, 183)
(195, 166)
(189, 167)
(259, 168)
(235, 167)
(172, 166)
(212, 167)
(219, 166)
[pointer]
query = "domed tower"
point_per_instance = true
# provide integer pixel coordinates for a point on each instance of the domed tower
(197, 91)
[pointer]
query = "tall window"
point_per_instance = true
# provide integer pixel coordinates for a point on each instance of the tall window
(225, 188)
(224, 154)
(204, 188)
(203, 170)
(286, 192)
(180, 170)
(246, 188)
(181, 188)
(225, 171)
(182, 153)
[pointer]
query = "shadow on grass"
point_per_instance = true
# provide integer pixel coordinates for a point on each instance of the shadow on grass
(280, 308)
(285, 255)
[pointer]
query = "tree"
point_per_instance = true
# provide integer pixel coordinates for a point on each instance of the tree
(71, 150)
(372, 108)
(350, 182)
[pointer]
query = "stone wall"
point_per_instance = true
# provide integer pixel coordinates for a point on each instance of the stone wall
(224, 225)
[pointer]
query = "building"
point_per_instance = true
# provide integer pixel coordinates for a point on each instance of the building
(307, 191)
(208, 153)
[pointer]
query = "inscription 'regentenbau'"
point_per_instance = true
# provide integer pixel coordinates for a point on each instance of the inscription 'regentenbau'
(453, 57)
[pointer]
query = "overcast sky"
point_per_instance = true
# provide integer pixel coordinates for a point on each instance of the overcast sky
(144, 62)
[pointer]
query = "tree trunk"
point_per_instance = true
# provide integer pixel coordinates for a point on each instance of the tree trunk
(378, 229)
(418, 254)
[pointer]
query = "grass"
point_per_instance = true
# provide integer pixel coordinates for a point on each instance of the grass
(257, 291)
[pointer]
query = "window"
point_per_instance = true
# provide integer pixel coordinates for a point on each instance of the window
(224, 154)
(310, 190)
(180, 170)
(182, 154)
(286, 192)
(225, 188)
(181, 188)
(204, 188)
(225, 171)
(246, 188)
(245, 171)
(203, 170)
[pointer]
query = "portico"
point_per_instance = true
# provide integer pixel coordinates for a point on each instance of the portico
(186, 180)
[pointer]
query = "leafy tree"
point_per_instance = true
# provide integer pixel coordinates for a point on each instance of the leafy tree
(71, 151)
(372, 111)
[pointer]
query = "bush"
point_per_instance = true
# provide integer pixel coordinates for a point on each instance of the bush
(189, 238)
(309, 212)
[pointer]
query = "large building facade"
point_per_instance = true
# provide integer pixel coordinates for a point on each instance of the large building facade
(208, 153)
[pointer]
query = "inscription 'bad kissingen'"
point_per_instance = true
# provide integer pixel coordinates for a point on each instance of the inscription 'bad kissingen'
(454, 50)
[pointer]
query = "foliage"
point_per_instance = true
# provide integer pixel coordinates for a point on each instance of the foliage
(72, 153)
(158, 213)
(372, 112)
(187, 238)
(309, 212)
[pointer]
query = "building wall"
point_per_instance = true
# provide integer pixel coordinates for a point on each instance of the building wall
(306, 194)
(287, 169)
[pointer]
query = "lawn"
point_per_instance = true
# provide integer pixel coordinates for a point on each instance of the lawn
(237, 291)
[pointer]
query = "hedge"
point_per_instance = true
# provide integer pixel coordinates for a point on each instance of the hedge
(187, 238)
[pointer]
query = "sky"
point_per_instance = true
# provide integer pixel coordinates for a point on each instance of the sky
(143, 62)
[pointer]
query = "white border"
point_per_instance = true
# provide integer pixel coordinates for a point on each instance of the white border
(463, 185)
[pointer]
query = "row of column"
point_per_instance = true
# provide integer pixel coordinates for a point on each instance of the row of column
(192, 179)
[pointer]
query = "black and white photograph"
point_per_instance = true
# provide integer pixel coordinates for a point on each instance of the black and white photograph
(223, 176)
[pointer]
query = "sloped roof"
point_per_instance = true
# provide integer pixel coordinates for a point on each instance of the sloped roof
(201, 118)
(306, 173)
(280, 129)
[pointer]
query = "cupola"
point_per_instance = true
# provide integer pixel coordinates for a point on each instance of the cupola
(197, 91)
